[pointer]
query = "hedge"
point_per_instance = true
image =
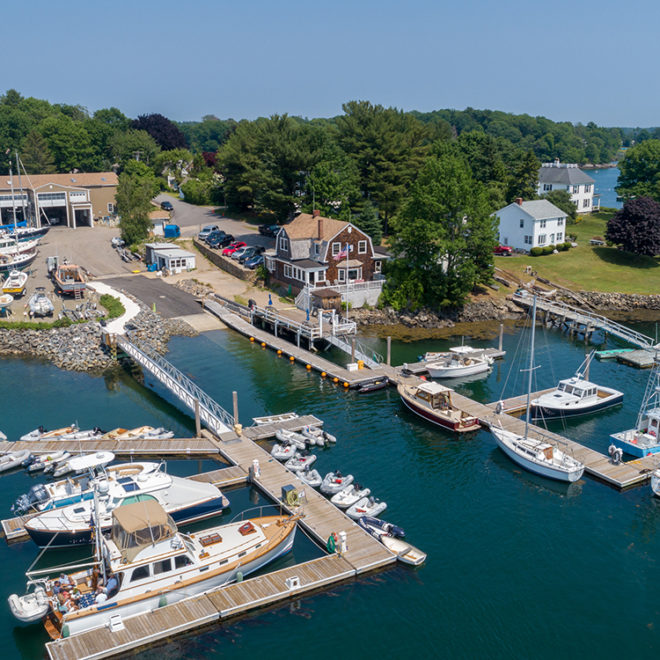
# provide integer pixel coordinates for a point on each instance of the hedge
(112, 305)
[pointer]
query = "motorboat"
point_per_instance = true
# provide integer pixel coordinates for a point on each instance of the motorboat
(275, 419)
(25, 233)
(41, 462)
(40, 304)
(377, 527)
(536, 454)
(403, 550)
(6, 301)
(71, 490)
(10, 245)
(432, 401)
(300, 462)
(317, 436)
(15, 283)
(435, 356)
(3, 437)
(349, 496)
(642, 440)
(373, 386)
(185, 500)
(291, 437)
(283, 452)
(153, 564)
(655, 482)
(367, 506)
(461, 361)
(17, 260)
(84, 463)
(12, 459)
(310, 477)
(69, 279)
(41, 433)
(139, 433)
(333, 482)
(575, 396)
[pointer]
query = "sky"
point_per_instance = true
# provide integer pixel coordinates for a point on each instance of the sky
(569, 60)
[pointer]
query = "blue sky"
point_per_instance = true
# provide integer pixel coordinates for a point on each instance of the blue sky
(568, 60)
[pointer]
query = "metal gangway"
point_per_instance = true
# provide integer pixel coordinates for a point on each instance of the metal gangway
(588, 319)
(209, 412)
(356, 349)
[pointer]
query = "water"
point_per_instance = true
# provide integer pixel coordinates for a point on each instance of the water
(606, 180)
(518, 566)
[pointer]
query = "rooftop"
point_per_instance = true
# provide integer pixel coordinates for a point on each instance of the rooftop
(78, 180)
(539, 209)
(563, 173)
(317, 228)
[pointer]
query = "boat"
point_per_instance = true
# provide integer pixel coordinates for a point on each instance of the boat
(333, 482)
(317, 436)
(534, 454)
(575, 396)
(275, 419)
(12, 459)
(41, 462)
(6, 300)
(138, 433)
(404, 552)
(300, 462)
(642, 440)
(184, 499)
(69, 279)
(432, 401)
(40, 304)
(349, 496)
(71, 490)
(612, 353)
(9, 245)
(292, 438)
(310, 477)
(153, 564)
(17, 260)
(655, 482)
(283, 452)
(41, 433)
(434, 356)
(373, 387)
(367, 506)
(15, 283)
(3, 437)
(84, 463)
(25, 233)
(461, 361)
(377, 527)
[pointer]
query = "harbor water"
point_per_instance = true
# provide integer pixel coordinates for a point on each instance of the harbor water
(518, 566)
(606, 181)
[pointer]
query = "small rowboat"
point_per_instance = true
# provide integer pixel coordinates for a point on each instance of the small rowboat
(404, 552)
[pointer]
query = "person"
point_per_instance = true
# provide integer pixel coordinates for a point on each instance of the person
(65, 580)
(95, 578)
(101, 596)
(56, 587)
(112, 585)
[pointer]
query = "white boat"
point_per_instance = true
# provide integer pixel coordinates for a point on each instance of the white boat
(575, 396)
(84, 463)
(404, 552)
(153, 564)
(40, 304)
(12, 459)
(17, 260)
(6, 301)
(11, 245)
(461, 361)
(310, 477)
(42, 461)
(273, 419)
(333, 482)
(367, 506)
(349, 496)
(41, 433)
(138, 433)
(655, 482)
(300, 462)
(283, 452)
(292, 438)
(534, 454)
(317, 436)
(3, 437)
(15, 283)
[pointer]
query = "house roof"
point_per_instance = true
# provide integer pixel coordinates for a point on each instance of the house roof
(304, 263)
(571, 175)
(351, 263)
(381, 251)
(173, 252)
(307, 226)
(539, 209)
(79, 180)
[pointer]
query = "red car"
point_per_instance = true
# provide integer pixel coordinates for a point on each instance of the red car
(503, 250)
(230, 249)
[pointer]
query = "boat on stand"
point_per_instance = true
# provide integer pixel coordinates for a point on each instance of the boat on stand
(15, 283)
(16, 260)
(534, 454)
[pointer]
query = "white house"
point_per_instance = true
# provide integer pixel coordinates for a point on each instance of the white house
(569, 177)
(524, 225)
(169, 256)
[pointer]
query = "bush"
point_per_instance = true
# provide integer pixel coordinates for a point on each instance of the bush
(536, 251)
(548, 249)
(562, 247)
(112, 305)
(34, 325)
(566, 246)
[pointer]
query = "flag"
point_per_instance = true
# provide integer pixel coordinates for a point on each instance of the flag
(343, 254)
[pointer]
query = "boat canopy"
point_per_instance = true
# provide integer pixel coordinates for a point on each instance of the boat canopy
(136, 526)
(432, 388)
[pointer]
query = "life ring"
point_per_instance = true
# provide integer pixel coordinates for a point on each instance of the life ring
(331, 545)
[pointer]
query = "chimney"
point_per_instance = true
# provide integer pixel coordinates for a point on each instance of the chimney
(320, 221)
(316, 213)
(519, 201)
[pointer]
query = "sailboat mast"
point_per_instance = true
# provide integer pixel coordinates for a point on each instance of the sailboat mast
(13, 201)
(531, 366)
(20, 186)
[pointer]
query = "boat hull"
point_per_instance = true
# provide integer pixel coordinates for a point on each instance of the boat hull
(633, 448)
(546, 412)
(439, 421)
(458, 372)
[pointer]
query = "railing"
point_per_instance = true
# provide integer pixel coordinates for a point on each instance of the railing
(211, 413)
(361, 351)
(303, 299)
(270, 315)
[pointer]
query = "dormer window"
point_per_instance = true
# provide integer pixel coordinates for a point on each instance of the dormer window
(283, 243)
(317, 249)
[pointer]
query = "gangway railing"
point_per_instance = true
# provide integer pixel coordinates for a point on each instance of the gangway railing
(371, 358)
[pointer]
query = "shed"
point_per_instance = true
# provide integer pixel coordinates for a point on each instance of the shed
(152, 247)
(174, 259)
(326, 299)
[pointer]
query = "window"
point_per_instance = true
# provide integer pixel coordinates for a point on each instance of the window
(283, 243)
(528, 240)
(542, 238)
(162, 566)
(576, 189)
(569, 188)
(317, 249)
(522, 222)
(341, 274)
(354, 273)
(51, 196)
(586, 203)
(377, 266)
(542, 224)
(287, 270)
(362, 247)
(587, 188)
(560, 237)
(336, 249)
(560, 222)
(181, 561)
(552, 239)
(140, 573)
(111, 208)
(547, 186)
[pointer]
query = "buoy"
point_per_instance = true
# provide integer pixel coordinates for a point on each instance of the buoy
(345, 384)
(239, 577)
(263, 344)
(291, 358)
(335, 380)
(308, 367)
(279, 351)
(323, 374)
(251, 338)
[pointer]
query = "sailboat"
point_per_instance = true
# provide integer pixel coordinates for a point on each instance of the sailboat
(533, 454)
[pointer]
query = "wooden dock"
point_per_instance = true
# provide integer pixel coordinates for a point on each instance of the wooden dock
(421, 367)
(171, 447)
(264, 431)
(516, 405)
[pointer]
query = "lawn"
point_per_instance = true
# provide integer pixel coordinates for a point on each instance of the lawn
(591, 268)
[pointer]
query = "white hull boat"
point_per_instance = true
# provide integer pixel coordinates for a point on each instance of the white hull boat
(333, 482)
(317, 436)
(43, 461)
(42, 434)
(283, 452)
(310, 477)
(273, 419)
(13, 459)
(292, 438)
(349, 496)
(655, 483)
(40, 304)
(367, 506)
(10, 245)
(461, 361)
(17, 260)
(404, 552)
(80, 464)
(300, 462)
(15, 283)
(6, 301)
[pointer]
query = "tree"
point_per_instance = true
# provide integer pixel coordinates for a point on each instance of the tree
(36, 155)
(166, 133)
(369, 222)
(132, 145)
(113, 117)
(636, 227)
(209, 134)
(562, 200)
(640, 171)
(443, 238)
(173, 161)
(137, 186)
(69, 143)
(524, 178)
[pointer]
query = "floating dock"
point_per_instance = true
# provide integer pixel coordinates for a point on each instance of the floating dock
(138, 447)
(641, 359)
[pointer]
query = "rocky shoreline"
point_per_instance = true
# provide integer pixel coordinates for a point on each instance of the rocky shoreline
(79, 347)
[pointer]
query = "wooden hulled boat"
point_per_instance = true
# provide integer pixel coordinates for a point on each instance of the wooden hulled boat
(69, 279)
(432, 401)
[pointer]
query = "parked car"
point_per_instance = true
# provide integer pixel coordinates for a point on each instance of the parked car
(237, 254)
(215, 234)
(206, 231)
(250, 252)
(166, 206)
(503, 250)
(254, 262)
(230, 249)
(218, 241)
(268, 230)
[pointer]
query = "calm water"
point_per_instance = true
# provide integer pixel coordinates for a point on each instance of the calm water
(606, 180)
(518, 566)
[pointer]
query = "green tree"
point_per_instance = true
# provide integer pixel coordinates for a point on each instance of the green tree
(130, 145)
(562, 200)
(68, 142)
(524, 178)
(444, 237)
(173, 162)
(113, 117)
(640, 171)
(369, 222)
(137, 186)
(36, 155)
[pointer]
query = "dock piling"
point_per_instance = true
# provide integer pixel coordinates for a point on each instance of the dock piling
(389, 349)
(352, 349)
(499, 348)
(234, 397)
(198, 422)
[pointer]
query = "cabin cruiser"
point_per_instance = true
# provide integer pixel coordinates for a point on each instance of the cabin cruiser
(461, 361)
(17, 260)
(10, 245)
(152, 564)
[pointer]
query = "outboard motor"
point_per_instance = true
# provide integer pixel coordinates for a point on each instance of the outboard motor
(30, 500)
(29, 460)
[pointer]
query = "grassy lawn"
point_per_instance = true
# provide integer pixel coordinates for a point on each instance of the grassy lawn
(592, 268)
